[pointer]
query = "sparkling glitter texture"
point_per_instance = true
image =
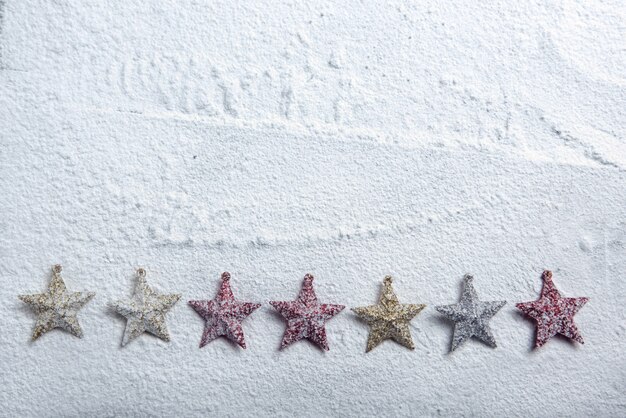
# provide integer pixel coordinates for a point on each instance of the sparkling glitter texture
(305, 317)
(57, 308)
(145, 311)
(471, 316)
(554, 314)
(223, 315)
(389, 319)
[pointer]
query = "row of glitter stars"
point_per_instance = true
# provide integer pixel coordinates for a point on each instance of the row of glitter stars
(305, 317)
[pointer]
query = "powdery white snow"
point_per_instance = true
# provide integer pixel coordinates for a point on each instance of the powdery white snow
(418, 139)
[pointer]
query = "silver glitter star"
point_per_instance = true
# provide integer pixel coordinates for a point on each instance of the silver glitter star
(145, 311)
(471, 316)
(57, 308)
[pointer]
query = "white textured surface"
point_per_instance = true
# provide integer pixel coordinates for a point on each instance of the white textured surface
(418, 139)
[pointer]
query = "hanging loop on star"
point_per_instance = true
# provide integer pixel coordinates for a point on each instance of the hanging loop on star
(141, 272)
(56, 269)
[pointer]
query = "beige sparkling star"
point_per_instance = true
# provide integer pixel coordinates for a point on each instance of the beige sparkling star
(57, 308)
(145, 311)
(389, 319)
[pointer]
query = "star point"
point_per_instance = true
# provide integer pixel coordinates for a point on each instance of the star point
(57, 307)
(553, 313)
(471, 316)
(145, 311)
(223, 315)
(389, 319)
(306, 318)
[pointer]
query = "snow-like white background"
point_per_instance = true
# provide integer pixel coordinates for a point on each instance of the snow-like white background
(345, 139)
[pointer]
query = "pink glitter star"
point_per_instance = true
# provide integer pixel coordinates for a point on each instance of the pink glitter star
(223, 315)
(553, 313)
(306, 317)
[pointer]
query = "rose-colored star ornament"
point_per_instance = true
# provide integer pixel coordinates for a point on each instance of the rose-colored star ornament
(306, 317)
(554, 314)
(223, 315)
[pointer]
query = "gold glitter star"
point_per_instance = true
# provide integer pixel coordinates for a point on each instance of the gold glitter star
(145, 311)
(57, 308)
(389, 319)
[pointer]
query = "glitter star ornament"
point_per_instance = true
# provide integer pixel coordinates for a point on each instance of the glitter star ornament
(145, 311)
(223, 315)
(389, 319)
(554, 314)
(306, 318)
(471, 316)
(58, 307)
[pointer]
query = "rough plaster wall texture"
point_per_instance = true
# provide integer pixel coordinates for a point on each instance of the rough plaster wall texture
(419, 139)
